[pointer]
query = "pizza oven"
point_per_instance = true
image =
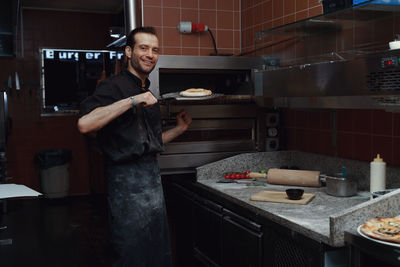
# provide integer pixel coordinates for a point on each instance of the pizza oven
(223, 126)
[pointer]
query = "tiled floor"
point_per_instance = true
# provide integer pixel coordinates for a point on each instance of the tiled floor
(58, 232)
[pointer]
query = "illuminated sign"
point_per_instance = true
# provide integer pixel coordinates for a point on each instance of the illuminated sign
(74, 54)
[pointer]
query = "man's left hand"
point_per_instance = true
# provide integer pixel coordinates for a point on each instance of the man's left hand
(183, 120)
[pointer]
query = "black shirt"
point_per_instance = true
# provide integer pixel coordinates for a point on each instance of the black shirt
(136, 132)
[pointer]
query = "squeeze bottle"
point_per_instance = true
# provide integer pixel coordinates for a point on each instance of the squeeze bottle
(378, 174)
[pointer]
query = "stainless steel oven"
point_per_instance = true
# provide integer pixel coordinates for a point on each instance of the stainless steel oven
(225, 126)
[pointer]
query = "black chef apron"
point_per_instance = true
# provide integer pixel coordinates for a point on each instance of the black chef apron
(139, 231)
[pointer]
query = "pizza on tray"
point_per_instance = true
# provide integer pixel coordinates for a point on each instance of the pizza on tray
(386, 229)
(195, 92)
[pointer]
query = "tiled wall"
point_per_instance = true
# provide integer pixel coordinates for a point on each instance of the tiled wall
(260, 15)
(221, 16)
(372, 32)
(359, 134)
(353, 134)
(30, 132)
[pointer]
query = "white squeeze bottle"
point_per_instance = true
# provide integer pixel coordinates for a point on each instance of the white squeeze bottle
(378, 174)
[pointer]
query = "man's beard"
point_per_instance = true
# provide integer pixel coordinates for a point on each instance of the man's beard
(136, 66)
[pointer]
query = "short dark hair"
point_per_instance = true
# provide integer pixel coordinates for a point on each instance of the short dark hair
(130, 40)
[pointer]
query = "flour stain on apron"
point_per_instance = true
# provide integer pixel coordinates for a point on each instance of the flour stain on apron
(137, 214)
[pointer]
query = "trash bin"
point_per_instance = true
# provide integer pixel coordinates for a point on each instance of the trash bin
(54, 172)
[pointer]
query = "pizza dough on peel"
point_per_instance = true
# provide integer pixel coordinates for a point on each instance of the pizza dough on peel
(195, 92)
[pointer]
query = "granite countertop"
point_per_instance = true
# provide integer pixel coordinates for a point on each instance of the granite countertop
(324, 218)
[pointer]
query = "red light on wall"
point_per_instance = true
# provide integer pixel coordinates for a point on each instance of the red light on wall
(388, 62)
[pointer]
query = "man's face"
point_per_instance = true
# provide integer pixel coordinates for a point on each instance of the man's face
(144, 55)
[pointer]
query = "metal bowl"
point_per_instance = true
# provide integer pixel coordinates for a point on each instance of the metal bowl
(340, 187)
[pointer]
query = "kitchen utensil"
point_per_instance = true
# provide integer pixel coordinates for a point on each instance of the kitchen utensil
(280, 197)
(178, 97)
(103, 74)
(294, 177)
(226, 181)
(17, 83)
(340, 187)
(257, 175)
(294, 193)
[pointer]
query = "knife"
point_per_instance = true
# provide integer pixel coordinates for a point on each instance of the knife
(257, 175)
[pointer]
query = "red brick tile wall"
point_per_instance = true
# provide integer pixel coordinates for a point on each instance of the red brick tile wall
(367, 34)
(260, 15)
(221, 16)
(360, 134)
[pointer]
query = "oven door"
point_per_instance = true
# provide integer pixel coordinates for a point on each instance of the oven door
(216, 132)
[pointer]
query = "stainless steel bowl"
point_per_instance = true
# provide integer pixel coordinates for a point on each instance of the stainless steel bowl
(340, 187)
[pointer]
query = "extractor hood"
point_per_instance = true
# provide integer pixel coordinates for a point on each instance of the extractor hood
(365, 77)
(132, 20)
(367, 81)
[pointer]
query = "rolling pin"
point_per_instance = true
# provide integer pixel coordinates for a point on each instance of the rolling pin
(294, 177)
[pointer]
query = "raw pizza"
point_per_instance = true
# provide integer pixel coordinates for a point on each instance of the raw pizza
(386, 229)
(195, 92)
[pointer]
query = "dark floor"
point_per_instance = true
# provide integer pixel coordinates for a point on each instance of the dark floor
(68, 232)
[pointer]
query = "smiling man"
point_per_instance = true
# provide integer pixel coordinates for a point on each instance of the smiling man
(125, 116)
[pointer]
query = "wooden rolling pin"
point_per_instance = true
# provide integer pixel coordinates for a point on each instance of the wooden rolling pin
(294, 177)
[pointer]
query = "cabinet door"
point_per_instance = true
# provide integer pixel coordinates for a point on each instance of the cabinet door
(286, 248)
(241, 241)
(180, 213)
(363, 252)
(207, 232)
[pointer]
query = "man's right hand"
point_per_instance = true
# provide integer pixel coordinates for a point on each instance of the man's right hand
(145, 99)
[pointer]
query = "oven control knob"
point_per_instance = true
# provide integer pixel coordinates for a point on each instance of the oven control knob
(272, 132)
(271, 144)
(272, 119)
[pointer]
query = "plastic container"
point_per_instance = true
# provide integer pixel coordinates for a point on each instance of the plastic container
(394, 45)
(377, 174)
(54, 172)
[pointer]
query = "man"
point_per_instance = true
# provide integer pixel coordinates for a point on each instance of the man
(126, 118)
